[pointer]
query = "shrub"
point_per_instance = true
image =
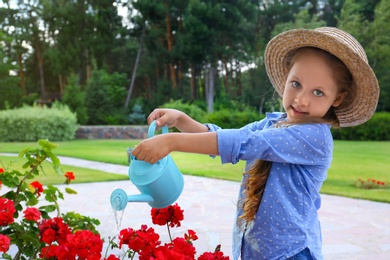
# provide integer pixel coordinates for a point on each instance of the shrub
(24, 124)
(137, 116)
(190, 109)
(375, 129)
(232, 118)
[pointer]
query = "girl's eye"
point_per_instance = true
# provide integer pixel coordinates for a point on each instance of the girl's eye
(318, 93)
(295, 84)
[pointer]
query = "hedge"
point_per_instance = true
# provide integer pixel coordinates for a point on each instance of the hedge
(227, 118)
(25, 124)
(375, 129)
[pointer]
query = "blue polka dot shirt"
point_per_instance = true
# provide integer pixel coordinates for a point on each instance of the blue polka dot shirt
(286, 222)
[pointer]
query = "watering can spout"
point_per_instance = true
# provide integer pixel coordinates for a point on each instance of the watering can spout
(119, 199)
(140, 198)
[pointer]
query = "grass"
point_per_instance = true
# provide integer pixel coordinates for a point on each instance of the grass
(352, 160)
(50, 176)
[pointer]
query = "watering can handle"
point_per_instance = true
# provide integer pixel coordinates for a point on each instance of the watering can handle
(152, 129)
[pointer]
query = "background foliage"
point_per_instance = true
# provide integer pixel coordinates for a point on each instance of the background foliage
(103, 57)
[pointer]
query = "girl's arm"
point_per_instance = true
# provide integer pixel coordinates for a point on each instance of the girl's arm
(155, 148)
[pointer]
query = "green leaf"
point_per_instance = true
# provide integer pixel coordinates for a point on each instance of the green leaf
(23, 152)
(54, 159)
(44, 214)
(58, 169)
(48, 208)
(6, 256)
(46, 145)
(32, 202)
(70, 191)
(26, 165)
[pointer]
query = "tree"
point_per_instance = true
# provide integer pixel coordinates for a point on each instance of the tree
(82, 34)
(74, 98)
(379, 51)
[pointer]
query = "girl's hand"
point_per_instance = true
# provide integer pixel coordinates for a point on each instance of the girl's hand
(165, 117)
(176, 118)
(153, 149)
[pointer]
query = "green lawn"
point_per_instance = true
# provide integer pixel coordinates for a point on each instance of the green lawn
(50, 176)
(352, 160)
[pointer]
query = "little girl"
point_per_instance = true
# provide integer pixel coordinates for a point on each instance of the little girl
(324, 79)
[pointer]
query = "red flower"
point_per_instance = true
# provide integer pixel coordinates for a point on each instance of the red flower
(38, 187)
(112, 257)
(7, 211)
(32, 214)
(180, 245)
(53, 230)
(85, 244)
(171, 215)
(69, 177)
(144, 239)
(167, 252)
(213, 256)
(4, 243)
(49, 252)
(191, 236)
(1, 171)
(55, 252)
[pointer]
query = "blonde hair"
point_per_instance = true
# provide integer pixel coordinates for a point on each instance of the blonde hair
(258, 172)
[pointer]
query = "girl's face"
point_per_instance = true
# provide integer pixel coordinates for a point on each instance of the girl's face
(310, 89)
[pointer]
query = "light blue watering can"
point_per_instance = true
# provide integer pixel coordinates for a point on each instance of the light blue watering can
(160, 184)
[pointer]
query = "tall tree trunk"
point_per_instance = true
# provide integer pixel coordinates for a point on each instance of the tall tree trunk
(192, 82)
(135, 67)
(209, 85)
(238, 78)
(148, 91)
(40, 67)
(261, 107)
(22, 76)
(226, 77)
(180, 65)
(61, 83)
(88, 65)
(170, 45)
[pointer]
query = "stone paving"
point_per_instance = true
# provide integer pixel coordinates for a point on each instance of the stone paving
(352, 229)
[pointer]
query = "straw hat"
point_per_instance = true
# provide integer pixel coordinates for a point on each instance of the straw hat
(342, 45)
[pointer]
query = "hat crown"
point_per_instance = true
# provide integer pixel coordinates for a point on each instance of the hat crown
(346, 39)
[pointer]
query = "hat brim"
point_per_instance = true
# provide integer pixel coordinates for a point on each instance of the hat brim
(343, 46)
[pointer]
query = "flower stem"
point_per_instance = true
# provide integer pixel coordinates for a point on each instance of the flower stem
(16, 202)
(169, 232)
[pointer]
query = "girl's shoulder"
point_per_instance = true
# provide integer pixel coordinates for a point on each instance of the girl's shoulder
(278, 122)
(275, 117)
(268, 121)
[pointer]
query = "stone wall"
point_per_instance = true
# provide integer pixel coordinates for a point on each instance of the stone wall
(112, 132)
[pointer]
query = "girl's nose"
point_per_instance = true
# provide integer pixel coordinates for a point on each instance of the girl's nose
(302, 99)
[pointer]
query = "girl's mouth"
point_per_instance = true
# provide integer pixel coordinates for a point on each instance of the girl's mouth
(297, 112)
